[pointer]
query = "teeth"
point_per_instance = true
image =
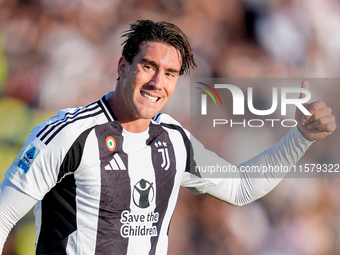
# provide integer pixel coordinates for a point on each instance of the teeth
(153, 99)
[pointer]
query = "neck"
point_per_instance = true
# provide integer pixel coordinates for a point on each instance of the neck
(130, 123)
(136, 126)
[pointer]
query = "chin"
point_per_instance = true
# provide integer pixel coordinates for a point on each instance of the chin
(149, 116)
(148, 113)
(145, 115)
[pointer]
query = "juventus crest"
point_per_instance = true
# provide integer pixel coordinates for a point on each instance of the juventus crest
(162, 148)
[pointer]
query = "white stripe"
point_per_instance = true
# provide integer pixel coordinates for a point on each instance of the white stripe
(52, 129)
(62, 118)
(83, 241)
(107, 111)
(180, 155)
(108, 167)
(119, 162)
(38, 219)
(114, 164)
(163, 158)
(167, 159)
(135, 147)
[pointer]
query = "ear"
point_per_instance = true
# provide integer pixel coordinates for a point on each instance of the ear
(122, 64)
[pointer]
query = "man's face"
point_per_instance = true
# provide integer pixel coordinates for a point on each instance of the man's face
(148, 83)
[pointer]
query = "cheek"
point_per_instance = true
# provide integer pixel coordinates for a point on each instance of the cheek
(130, 87)
(140, 76)
(170, 88)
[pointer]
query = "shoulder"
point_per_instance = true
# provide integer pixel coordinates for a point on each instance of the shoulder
(163, 118)
(169, 123)
(71, 122)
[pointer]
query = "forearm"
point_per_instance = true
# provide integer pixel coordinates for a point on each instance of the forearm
(14, 204)
(245, 187)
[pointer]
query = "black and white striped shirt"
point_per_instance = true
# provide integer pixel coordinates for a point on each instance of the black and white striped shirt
(104, 190)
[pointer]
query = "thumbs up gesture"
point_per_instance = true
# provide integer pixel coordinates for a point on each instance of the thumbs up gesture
(320, 123)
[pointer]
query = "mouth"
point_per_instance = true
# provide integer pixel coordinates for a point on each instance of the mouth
(150, 98)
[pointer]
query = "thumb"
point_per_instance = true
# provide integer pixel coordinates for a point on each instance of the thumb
(304, 85)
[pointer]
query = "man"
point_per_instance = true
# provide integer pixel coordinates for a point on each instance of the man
(105, 177)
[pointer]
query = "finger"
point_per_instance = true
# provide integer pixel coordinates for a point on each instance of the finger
(326, 123)
(316, 106)
(325, 111)
(306, 118)
(312, 108)
(304, 85)
(328, 128)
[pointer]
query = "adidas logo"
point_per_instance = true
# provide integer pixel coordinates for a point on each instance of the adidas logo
(115, 164)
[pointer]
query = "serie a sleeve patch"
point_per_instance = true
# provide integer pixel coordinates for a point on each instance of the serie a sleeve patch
(27, 158)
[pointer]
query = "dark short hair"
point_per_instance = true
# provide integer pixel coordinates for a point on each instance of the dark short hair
(142, 31)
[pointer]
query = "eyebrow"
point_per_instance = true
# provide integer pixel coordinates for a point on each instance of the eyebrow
(153, 63)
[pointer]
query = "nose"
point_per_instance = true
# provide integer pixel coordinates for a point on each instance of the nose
(157, 80)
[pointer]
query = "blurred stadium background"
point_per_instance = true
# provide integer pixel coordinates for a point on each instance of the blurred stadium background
(63, 53)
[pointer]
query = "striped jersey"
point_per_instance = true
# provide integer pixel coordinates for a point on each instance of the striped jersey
(102, 189)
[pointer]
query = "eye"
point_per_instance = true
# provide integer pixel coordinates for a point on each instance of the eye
(170, 75)
(148, 67)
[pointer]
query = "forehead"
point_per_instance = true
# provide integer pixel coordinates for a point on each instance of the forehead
(160, 52)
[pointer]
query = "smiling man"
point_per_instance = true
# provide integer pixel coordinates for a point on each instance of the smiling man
(145, 85)
(104, 178)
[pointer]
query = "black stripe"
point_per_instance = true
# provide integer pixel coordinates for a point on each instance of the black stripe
(74, 155)
(68, 116)
(58, 219)
(104, 110)
(165, 178)
(156, 117)
(115, 194)
(109, 108)
(69, 122)
(191, 163)
(57, 122)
